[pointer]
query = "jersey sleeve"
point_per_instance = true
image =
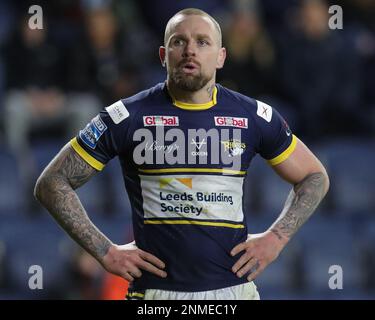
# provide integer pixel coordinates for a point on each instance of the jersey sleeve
(276, 141)
(97, 143)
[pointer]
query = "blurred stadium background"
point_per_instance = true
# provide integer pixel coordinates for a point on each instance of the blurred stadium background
(90, 53)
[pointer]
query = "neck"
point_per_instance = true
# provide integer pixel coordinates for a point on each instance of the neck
(203, 95)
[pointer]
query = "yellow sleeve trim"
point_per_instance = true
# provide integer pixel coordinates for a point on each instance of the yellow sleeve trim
(85, 156)
(285, 154)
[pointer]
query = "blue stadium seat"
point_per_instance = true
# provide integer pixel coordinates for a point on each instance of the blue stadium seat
(91, 194)
(120, 196)
(262, 182)
(35, 242)
(349, 163)
(117, 228)
(44, 150)
(281, 273)
(11, 197)
(328, 242)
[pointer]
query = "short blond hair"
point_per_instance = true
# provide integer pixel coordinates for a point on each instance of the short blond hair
(192, 12)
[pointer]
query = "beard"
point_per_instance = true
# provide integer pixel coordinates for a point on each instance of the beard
(188, 82)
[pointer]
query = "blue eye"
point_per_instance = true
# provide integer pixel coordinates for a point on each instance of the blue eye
(202, 42)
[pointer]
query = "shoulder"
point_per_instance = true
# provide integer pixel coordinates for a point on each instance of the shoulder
(126, 108)
(258, 110)
(236, 97)
(145, 96)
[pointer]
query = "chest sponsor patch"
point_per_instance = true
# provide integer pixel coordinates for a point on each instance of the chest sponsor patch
(91, 134)
(192, 196)
(117, 111)
(171, 121)
(231, 122)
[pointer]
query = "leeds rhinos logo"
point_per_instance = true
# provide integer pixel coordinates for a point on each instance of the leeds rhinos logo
(92, 132)
(234, 147)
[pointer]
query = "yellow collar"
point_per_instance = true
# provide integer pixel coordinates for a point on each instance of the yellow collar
(196, 106)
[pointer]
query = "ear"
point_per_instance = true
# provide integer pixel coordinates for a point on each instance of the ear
(221, 58)
(162, 55)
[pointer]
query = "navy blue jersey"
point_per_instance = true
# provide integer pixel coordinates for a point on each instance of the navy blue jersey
(184, 167)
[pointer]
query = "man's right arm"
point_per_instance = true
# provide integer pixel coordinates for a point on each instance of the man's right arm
(55, 191)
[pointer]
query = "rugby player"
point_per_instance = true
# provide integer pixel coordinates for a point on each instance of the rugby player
(185, 146)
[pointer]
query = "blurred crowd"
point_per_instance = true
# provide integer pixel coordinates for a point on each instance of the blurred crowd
(90, 53)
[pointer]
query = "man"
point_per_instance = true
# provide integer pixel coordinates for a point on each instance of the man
(184, 147)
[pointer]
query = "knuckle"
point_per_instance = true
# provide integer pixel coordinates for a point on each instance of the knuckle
(249, 248)
(246, 256)
(128, 277)
(138, 259)
(138, 274)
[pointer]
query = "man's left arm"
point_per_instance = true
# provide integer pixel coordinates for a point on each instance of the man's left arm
(311, 183)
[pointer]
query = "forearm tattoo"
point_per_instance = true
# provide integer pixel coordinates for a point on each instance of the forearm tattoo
(55, 190)
(300, 204)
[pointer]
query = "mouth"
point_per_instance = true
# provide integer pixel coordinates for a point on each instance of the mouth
(189, 67)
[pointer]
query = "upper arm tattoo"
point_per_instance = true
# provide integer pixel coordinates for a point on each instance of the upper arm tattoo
(71, 166)
(301, 203)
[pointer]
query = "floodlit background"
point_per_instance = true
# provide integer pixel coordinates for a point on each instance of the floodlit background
(90, 53)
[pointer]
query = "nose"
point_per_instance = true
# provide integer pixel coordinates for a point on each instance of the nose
(189, 50)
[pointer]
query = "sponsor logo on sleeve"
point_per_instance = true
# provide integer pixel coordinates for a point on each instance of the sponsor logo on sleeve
(149, 121)
(91, 134)
(287, 129)
(264, 111)
(117, 111)
(231, 122)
